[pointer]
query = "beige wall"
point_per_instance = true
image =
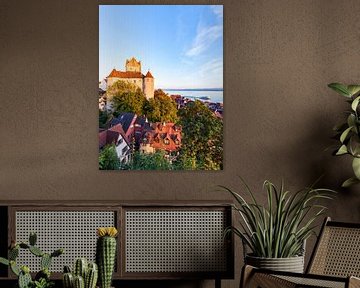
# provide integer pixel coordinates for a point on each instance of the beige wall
(136, 81)
(279, 57)
(148, 87)
(135, 67)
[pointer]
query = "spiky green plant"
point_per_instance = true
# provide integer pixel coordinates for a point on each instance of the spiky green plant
(42, 278)
(279, 229)
(348, 132)
(68, 280)
(91, 275)
(106, 254)
(80, 267)
(79, 282)
(43, 283)
(84, 273)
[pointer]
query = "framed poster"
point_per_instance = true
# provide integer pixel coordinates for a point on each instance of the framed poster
(161, 87)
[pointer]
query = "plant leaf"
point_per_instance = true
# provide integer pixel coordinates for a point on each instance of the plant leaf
(345, 134)
(279, 228)
(351, 120)
(349, 182)
(353, 89)
(340, 88)
(14, 268)
(342, 150)
(4, 261)
(356, 167)
(354, 144)
(355, 103)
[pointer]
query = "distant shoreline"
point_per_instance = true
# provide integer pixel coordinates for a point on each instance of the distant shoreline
(213, 94)
(201, 89)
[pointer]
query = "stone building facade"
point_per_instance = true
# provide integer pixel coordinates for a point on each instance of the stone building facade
(133, 74)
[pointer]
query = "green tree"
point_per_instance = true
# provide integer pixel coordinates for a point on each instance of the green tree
(120, 87)
(185, 162)
(126, 97)
(161, 108)
(202, 138)
(155, 161)
(129, 102)
(108, 158)
(103, 118)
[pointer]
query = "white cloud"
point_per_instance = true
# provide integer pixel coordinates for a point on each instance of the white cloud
(204, 38)
(208, 75)
(218, 10)
(187, 61)
(214, 66)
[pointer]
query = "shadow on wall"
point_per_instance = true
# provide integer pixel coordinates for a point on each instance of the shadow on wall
(335, 170)
(309, 154)
(317, 153)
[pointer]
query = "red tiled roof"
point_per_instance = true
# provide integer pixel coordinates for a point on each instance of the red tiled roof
(128, 74)
(102, 138)
(117, 128)
(107, 137)
(160, 134)
(110, 136)
(148, 75)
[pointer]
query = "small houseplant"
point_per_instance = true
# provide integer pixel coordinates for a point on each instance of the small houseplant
(106, 254)
(348, 132)
(42, 278)
(276, 233)
(84, 274)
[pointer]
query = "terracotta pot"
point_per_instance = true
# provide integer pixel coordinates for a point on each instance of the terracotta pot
(291, 264)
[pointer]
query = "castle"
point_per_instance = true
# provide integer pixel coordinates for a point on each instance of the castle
(133, 75)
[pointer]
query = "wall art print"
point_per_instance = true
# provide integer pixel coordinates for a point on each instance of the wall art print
(161, 87)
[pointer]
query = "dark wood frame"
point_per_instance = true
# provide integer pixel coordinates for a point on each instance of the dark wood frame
(248, 272)
(119, 208)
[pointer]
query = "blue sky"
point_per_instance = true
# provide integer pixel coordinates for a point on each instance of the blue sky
(182, 45)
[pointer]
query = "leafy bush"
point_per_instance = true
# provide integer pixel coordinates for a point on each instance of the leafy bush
(349, 131)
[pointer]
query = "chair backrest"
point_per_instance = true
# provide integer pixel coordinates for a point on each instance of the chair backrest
(337, 251)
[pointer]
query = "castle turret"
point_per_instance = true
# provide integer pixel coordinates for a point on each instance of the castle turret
(132, 65)
(149, 85)
(134, 76)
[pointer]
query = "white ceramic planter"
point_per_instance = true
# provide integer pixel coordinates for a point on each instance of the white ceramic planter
(291, 264)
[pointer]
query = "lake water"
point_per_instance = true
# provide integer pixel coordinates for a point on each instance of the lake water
(215, 96)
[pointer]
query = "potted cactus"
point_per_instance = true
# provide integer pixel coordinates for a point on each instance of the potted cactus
(85, 275)
(106, 254)
(42, 278)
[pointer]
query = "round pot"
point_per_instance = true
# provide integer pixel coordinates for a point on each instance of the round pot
(291, 264)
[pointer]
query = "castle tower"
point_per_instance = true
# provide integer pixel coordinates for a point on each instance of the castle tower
(149, 85)
(132, 65)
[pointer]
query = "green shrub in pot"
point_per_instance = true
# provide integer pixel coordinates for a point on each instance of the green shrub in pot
(280, 228)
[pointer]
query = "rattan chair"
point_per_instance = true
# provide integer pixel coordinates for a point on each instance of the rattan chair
(334, 263)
